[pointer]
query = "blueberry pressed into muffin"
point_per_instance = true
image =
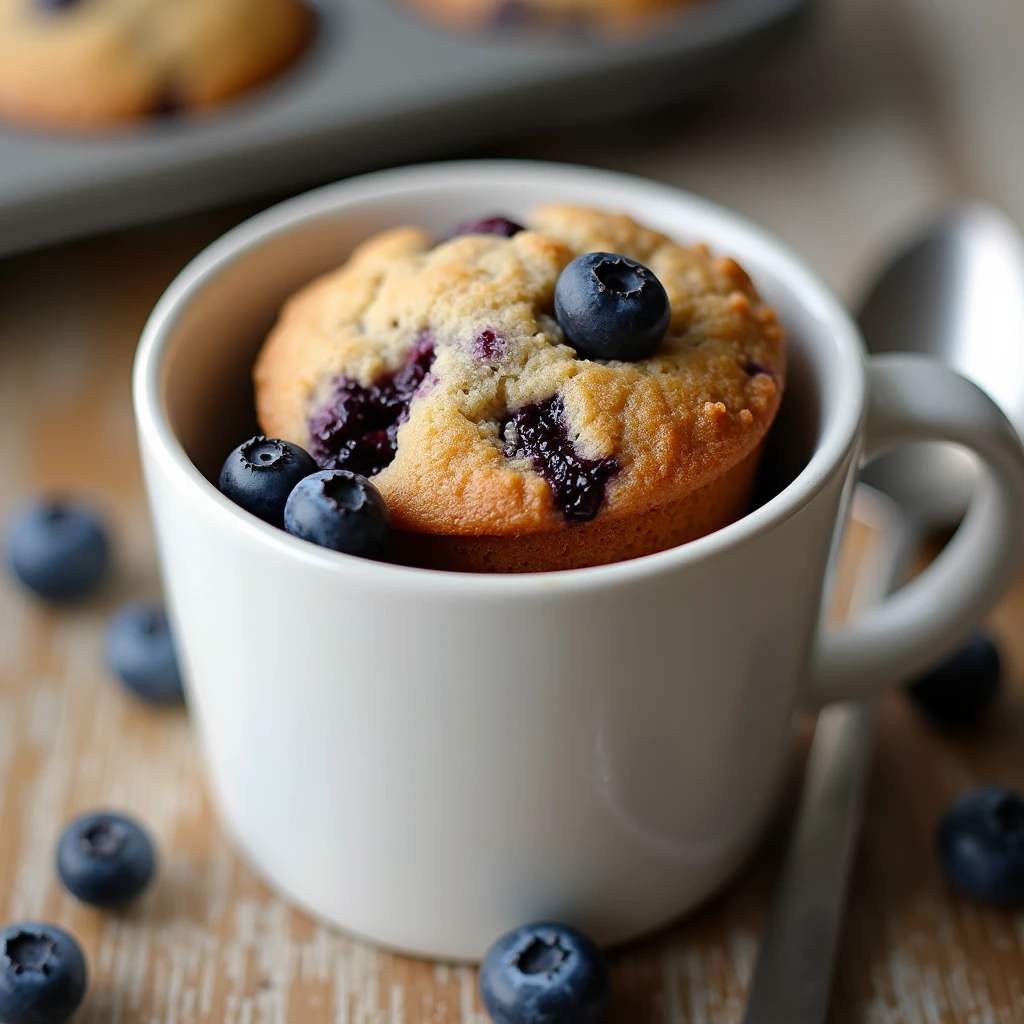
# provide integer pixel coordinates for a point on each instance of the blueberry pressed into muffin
(574, 392)
(90, 63)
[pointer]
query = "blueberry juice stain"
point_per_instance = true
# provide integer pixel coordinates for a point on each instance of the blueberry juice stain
(540, 433)
(358, 428)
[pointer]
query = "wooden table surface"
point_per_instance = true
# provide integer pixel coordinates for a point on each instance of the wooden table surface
(887, 110)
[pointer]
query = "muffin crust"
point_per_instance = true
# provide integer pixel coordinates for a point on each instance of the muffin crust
(482, 307)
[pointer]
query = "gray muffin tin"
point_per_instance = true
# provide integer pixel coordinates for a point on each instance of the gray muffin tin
(379, 85)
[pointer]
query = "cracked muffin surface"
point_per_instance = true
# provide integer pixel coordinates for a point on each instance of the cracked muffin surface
(90, 63)
(441, 371)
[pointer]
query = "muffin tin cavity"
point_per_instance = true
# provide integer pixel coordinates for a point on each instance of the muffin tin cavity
(377, 84)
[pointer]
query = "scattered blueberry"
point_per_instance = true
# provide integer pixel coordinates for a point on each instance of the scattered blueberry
(963, 688)
(339, 510)
(358, 429)
(260, 474)
(544, 974)
(105, 860)
(488, 226)
(540, 433)
(611, 307)
(140, 652)
(58, 550)
(981, 845)
(42, 974)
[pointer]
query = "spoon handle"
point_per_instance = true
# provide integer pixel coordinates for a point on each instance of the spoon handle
(793, 978)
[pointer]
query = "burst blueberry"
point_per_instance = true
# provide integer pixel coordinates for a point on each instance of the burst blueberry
(42, 974)
(544, 974)
(260, 474)
(611, 307)
(488, 226)
(106, 860)
(58, 550)
(141, 653)
(539, 432)
(963, 688)
(339, 510)
(981, 845)
(358, 428)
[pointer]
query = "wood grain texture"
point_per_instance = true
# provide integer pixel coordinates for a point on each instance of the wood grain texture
(888, 109)
(210, 943)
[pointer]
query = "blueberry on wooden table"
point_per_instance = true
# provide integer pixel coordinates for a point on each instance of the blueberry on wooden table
(58, 550)
(544, 974)
(962, 689)
(260, 474)
(339, 510)
(141, 653)
(42, 974)
(105, 860)
(981, 845)
(611, 307)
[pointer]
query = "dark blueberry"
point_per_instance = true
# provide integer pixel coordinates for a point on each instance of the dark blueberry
(260, 474)
(488, 344)
(512, 12)
(611, 307)
(539, 432)
(169, 103)
(105, 860)
(963, 688)
(339, 510)
(358, 429)
(488, 226)
(42, 974)
(981, 845)
(140, 652)
(544, 974)
(57, 5)
(58, 550)
(757, 370)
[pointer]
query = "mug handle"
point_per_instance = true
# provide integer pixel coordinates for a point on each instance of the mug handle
(916, 398)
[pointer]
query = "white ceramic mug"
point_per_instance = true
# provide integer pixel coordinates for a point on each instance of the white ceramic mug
(428, 759)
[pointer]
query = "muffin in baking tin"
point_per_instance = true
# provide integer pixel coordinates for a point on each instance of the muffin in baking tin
(441, 370)
(82, 64)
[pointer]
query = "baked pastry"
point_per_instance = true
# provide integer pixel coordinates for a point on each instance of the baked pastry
(443, 372)
(600, 14)
(90, 63)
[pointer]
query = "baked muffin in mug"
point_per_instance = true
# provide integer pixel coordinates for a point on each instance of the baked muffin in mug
(444, 371)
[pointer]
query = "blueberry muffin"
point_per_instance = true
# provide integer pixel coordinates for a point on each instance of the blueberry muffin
(580, 391)
(612, 15)
(91, 63)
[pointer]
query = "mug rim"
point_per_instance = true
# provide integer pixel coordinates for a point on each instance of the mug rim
(840, 425)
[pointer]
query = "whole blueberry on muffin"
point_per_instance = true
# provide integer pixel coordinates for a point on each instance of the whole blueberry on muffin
(581, 391)
(602, 15)
(91, 63)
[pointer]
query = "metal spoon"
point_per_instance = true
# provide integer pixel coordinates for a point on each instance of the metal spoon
(957, 293)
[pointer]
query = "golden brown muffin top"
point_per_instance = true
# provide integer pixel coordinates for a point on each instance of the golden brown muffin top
(467, 326)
